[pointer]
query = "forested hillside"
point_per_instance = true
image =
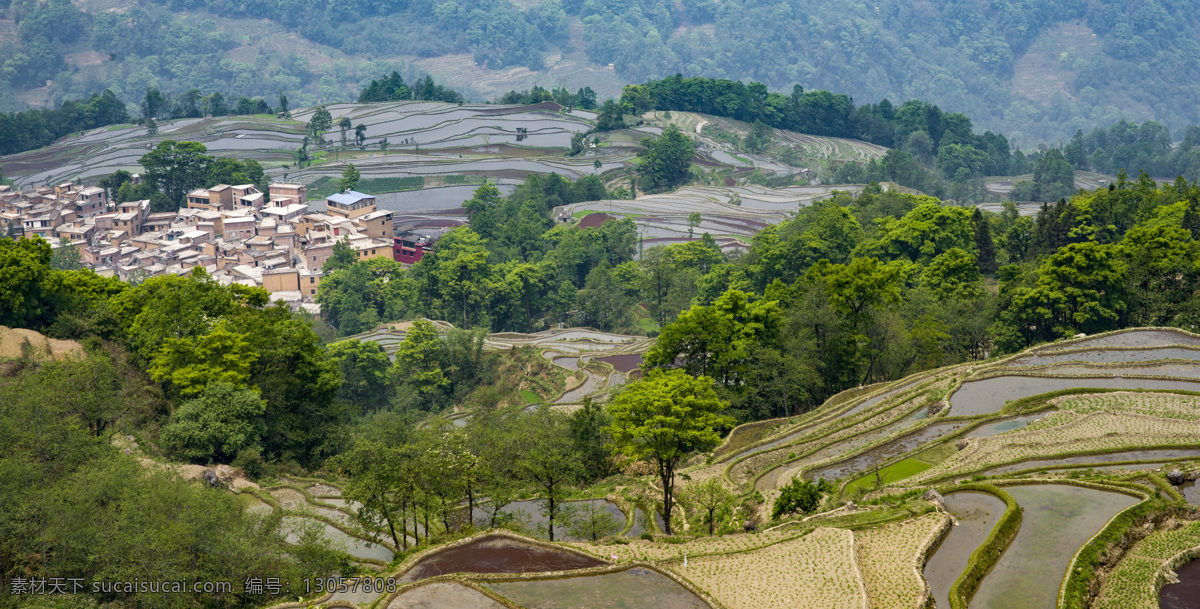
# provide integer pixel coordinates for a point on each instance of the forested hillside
(1037, 71)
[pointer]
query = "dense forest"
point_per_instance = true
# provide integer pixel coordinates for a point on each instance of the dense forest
(854, 290)
(1090, 62)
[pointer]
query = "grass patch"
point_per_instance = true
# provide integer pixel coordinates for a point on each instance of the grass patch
(646, 324)
(119, 127)
(581, 214)
(530, 397)
(896, 471)
(937, 454)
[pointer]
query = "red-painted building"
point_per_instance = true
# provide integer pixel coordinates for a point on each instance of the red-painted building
(410, 249)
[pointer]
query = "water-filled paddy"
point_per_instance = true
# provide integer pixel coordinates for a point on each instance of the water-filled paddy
(998, 427)
(443, 595)
(635, 588)
(639, 523)
(324, 490)
(352, 545)
(805, 429)
(1138, 338)
(1164, 454)
(989, 395)
(1190, 491)
(497, 554)
(784, 473)
(1173, 369)
(591, 385)
(1117, 356)
(1057, 520)
(869, 402)
(357, 596)
(570, 363)
(626, 363)
(529, 513)
(977, 515)
(877, 456)
(1186, 593)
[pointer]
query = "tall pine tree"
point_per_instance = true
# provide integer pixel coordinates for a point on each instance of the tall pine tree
(1191, 218)
(986, 259)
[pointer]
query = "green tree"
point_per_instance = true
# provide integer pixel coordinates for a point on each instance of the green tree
(716, 341)
(152, 104)
(663, 418)
(665, 161)
(590, 435)
(863, 283)
(219, 423)
(593, 522)
(342, 256)
(799, 496)
(176, 168)
(603, 303)
(374, 478)
(418, 360)
(549, 461)
(364, 366)
(344, 125)
(350, 178)
(953, 274)
(759, 137)
(360, 134)
(461, 270)
(191, 364)
(986, 259)
(320, 123)
(24, 270)
(708, 496)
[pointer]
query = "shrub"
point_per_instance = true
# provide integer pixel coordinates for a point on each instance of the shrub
(799, 496)
(250, 461)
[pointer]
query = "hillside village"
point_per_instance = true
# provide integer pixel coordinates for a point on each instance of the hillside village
(238, 234)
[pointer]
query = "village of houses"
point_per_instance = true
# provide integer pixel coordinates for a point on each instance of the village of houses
(237, 233)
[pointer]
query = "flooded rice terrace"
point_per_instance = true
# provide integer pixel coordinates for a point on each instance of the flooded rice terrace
(1057, 519)
(1163, 454)
(497, 554)
(989, 395)
(444, 595)
(636, 588)
(877, 456)
(1111, 356)
(1186, 593)
(977, 515)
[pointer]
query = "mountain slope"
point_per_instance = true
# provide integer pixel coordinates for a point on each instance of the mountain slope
(1036, 70)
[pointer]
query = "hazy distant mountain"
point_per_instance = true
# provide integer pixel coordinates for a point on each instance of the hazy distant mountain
(1037, 69)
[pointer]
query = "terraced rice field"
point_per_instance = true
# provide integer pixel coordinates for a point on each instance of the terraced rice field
(496, 554)
(1088, 425)
(976, 514)
(444, 595)
(989, 395)
(665, 216)
(425, 138)
(890, 557)
(1057, 520)
(636, 587)
(875, 557)
(818, 571)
